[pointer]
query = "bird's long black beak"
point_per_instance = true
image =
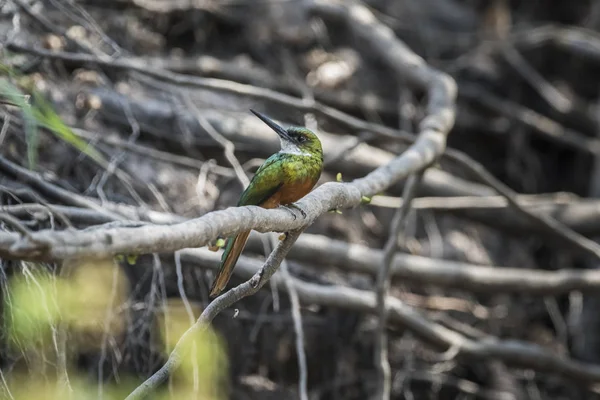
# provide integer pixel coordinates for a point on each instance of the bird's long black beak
(272, 124)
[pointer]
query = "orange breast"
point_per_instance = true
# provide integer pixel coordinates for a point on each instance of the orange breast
(289, 193)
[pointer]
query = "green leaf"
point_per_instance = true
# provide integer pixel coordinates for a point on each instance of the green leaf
(13, 95)
(338, 177)
(40, 113)
(48, 119)
(131, 259)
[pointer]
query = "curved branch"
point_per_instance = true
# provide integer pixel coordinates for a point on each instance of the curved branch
(429, 145)
(232, 296)
(106, 241)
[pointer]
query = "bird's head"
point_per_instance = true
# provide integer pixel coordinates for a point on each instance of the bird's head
(296, 139)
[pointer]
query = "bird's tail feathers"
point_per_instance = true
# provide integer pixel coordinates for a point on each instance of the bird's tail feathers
(232, 252)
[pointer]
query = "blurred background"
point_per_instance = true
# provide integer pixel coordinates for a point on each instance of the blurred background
(136, 111)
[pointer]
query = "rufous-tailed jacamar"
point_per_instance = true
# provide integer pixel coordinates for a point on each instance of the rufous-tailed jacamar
(284, 178)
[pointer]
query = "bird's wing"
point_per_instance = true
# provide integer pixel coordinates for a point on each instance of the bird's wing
(266, 182)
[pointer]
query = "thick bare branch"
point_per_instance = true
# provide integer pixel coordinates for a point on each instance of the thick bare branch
(512, 352)
(429, 145)
(199, 232)
(430, 271)
(581, 215)
(322, 250)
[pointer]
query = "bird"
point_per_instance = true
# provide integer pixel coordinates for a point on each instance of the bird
(284, 178)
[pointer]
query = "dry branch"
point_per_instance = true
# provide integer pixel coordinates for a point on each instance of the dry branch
(206, 229)
(384, 283)
(436, 181)
(539, 123)
(323, 251)
(246, 72)
(512, 352)
(429, 145)
(430, 271)
(581, 215)
(130, 229)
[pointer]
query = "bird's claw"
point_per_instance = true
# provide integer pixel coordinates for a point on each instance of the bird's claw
(291, 207)
(290, 211)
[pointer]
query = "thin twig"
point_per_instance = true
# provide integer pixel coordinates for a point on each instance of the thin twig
(6, 389)
(16, 225)
(214, 84)
(298, 329)
(228, 148)
(247, 288)
(545, 89)
(151, 152)
(539, 123)
(383, 285)
(69, 198)
(190, 313)
(577, 242)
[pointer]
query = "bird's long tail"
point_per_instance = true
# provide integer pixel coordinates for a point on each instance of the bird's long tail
(232, 252)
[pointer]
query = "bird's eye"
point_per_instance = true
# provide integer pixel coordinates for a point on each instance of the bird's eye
(301, 139)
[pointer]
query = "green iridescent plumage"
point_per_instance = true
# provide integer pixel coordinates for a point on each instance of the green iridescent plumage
(278, 170)
(284, 178)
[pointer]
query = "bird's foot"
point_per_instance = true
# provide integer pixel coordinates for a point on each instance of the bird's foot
(291, 207)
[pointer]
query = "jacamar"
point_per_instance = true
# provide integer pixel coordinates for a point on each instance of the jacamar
(284, 178)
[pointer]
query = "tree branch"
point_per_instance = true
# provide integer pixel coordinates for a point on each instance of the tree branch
(428, 146)
(512, 352)
(298, 328)
(232, 296)
(444, 273)
(561, 232)
(199, 232)
(322, 250)
(383, 285)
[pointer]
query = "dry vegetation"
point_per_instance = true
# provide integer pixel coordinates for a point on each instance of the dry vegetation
(125, 126)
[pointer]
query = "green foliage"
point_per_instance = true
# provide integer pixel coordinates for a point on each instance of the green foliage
(13, 95)
(131, 259)
(28, 387)
(89, 299)
(46, 117)
(38, 113)
(203, 368)
(31, 309)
